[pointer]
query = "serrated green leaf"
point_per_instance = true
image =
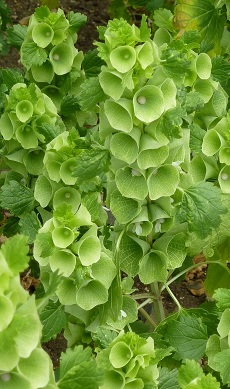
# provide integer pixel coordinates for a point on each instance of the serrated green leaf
(164, 18)
(91, 163)
(29, 226)
(189, 372)
(31, 55)
(220, 69)
(76, 21)
(91, 93)
(16, 35)
(15, 251)
(17, 198)
(92, 63)
(201, 208)
(188, 335)
(11, 77)
(69, 105)
(50, 131)
(11, 226)
(103, 337)
(222, 296)
(201, 15)
(53, 319)
(222, 365)
(196, 137)
(79, 370)
(168, 379)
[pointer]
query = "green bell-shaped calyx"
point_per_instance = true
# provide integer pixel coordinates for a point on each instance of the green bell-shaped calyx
(111, 83)
(119, 114)
(24, 110)
(61, 57)
(43, 73)
(125, 146)
(203, 65)
(120, 354)
(123, 58)
(62, 260)
(42, 34)
(212, 142)
(224, 179)
(148, 103)
(153, 267)
(131, 183)
(68, 195)
(163, 181)
(62, 236)
(91, 294)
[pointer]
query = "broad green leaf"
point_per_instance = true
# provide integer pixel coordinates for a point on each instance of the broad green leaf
(164, 18)
(222, 297)
(196, 137)
(76, 21)
(17, 198)
(223, 327)
(220, 69)
(15, 251)
(104, 337)
(124, 209)
(31, 55)
(86, 374)
(188, 335)
(91, 93)
(189, 372)
(201, 208)
(92, 63)
(91, 163)
(29, 225)
(168, 379)
(16, 35)
(11, 77)
(53, 319)
(69, 105)
(222, 365)
(201, 15)
(73, 357)
(205, 382)
(8, 352)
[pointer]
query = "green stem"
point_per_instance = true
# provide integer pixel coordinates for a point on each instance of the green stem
(147, 317)
(141, 296)
(159, 311)
(173, 297)
(146, 302)
(191, 268)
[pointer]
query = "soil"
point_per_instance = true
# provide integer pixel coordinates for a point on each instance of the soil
(97, 14)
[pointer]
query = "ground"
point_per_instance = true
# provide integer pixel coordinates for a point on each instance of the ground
(189, 291)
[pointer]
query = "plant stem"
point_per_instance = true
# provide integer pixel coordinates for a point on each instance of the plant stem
(159, 311)
(173, 297)
(147, 317)
(146, 302)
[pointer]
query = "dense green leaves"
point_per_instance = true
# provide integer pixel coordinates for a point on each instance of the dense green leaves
(17, 198)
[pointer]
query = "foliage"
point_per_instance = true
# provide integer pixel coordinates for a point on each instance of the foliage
(115, 165)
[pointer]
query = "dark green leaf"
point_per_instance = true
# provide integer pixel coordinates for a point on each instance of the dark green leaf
(11, 77)
(15, 251)
(91, 93)
(53, 319)
(92, 63)
(196, 137)
(11, 226)
(16, 35)
(76, 21)
(69, 105)
(5, 14)
(50, 131)
(220, 69)
(29, 226)
(188, 336)
(201, 208)
(91, 163)
(17, 198)
(168, 379)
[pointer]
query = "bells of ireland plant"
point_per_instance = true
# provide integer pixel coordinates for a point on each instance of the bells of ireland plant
(148, 103)
(131, 362)
(23, 362)
(123, 58)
